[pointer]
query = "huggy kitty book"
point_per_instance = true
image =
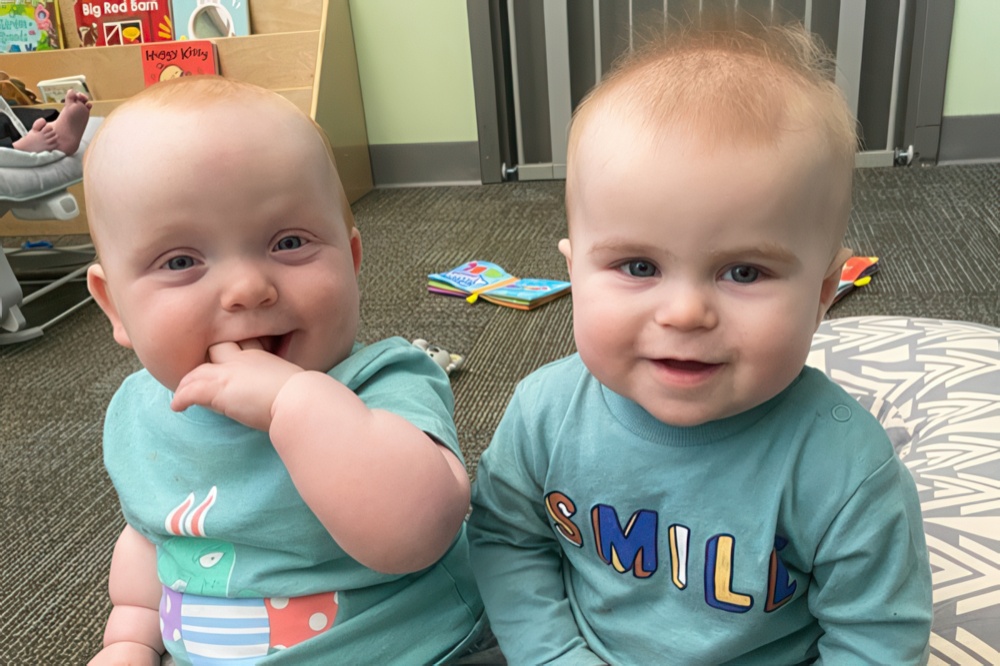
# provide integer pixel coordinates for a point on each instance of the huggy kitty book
(171, 60)
(482, 279)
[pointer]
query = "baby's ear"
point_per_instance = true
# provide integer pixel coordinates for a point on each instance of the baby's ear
(356, 250)
(831, 281)
(567, 251)
(97, 285)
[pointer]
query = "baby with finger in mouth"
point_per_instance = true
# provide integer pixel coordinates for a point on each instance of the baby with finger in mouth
(306, 489)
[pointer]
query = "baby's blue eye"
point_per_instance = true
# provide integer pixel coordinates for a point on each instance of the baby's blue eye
(639, 268)
(180, 263)
(743, 274)
(289, 243)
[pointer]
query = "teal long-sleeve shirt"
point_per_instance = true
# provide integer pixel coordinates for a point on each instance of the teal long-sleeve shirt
(786, 534)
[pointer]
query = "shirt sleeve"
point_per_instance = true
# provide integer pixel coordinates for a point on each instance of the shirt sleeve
(394, 376)
(872, 578)
(515, 556)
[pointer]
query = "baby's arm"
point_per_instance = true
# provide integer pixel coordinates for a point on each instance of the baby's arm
(516, 557)
(872, 579)
(390, 496)
(132, 634)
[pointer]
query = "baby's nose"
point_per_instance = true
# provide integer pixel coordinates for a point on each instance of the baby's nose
(248, 289)
(686, 308)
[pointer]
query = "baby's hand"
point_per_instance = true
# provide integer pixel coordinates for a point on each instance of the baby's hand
(241, 383)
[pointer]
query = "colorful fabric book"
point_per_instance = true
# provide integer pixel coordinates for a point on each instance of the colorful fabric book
(857, 272)
(482, 279)
(29, 25)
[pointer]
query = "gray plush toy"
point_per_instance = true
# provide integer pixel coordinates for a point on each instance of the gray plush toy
(448, 361)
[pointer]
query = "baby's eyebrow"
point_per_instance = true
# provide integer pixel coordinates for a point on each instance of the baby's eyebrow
(773, 252)
(624, 247)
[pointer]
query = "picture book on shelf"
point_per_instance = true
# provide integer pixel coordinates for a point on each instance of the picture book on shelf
(170, 60)
(117, 22)
(857, 272)
(203, 19)
(54, 90)
(29, 25)
(482, 279)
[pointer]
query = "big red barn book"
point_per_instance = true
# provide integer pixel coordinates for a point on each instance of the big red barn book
(116, 22)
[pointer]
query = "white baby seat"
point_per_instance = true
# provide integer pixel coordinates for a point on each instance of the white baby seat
(33, 187)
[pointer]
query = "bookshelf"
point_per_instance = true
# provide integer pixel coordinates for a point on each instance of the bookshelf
(302, 49)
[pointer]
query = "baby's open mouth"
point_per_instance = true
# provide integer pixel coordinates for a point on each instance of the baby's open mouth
(685, 372)
(686, 366)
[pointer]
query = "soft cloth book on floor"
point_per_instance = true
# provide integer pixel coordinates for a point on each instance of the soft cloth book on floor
(482, 279)
(857, 272)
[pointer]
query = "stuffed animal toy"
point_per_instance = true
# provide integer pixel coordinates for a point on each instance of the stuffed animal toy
(448, 361)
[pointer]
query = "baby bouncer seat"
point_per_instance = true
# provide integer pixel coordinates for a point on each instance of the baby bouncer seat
(33, 186)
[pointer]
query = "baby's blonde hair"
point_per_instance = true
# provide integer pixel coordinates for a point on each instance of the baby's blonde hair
(732, 81)
(195, 92)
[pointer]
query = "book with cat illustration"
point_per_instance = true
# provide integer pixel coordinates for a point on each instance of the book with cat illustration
(170, 60)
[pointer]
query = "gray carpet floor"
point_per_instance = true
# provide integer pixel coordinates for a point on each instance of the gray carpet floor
(936, 229)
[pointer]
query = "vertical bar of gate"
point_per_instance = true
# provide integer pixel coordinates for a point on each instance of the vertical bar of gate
(598, 66)
(850, 43)
(515, 80)
(631, 24)
(557, 67)
(890, 138)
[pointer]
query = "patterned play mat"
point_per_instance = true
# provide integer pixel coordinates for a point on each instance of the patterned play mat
(935, 386)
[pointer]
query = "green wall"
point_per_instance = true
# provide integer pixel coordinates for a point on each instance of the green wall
(973, 86)
(415, 65)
